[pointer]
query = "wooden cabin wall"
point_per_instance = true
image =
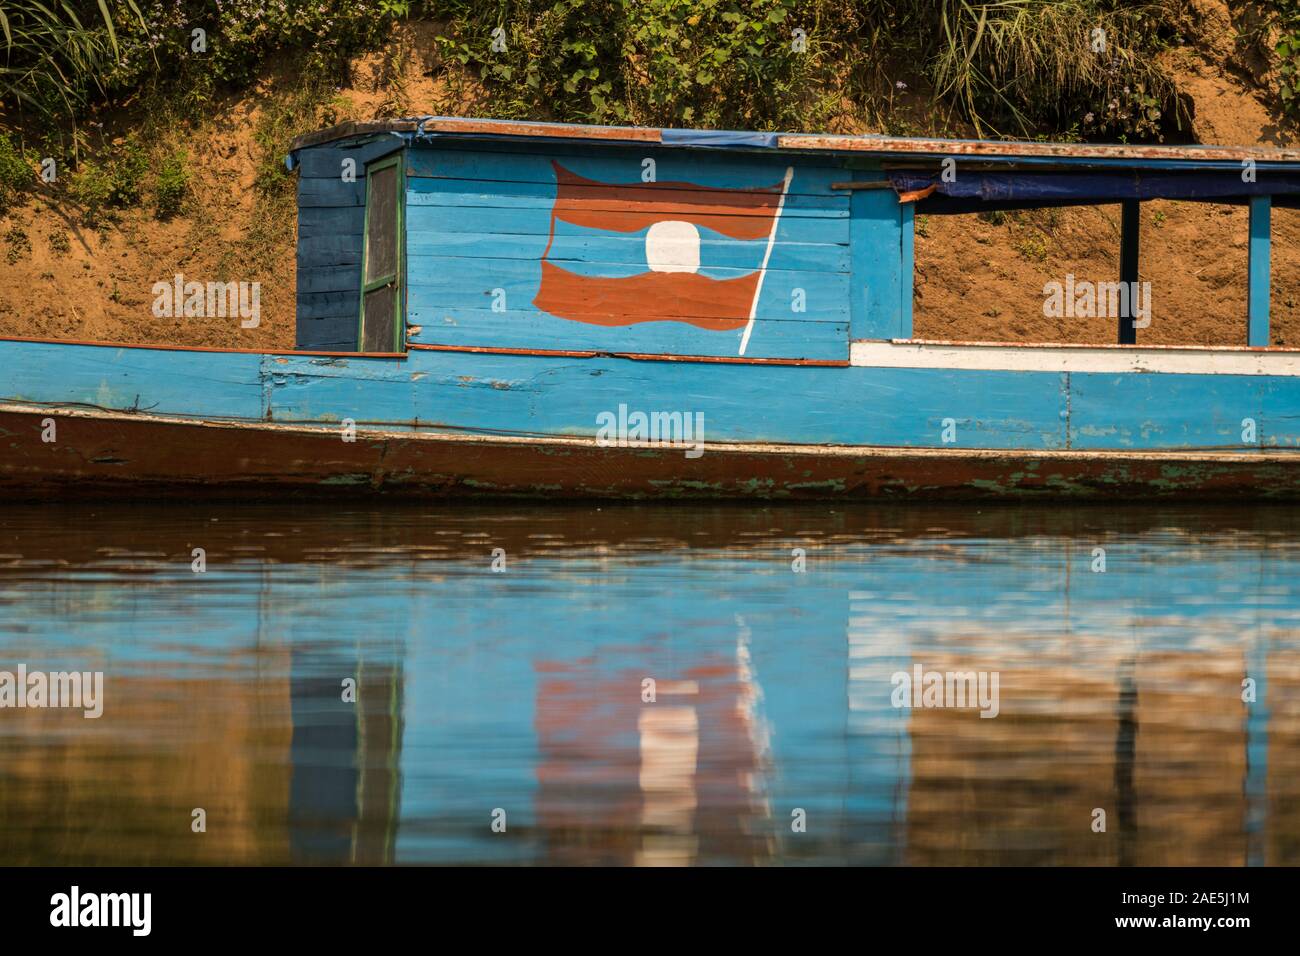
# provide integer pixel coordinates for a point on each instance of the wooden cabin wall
(501, 254)
(331, 220)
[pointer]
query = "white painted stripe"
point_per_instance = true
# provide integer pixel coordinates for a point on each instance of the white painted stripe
(762, 270)
(1070, 358)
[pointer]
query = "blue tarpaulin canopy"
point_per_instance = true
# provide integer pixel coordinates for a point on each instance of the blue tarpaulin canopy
(979, 191)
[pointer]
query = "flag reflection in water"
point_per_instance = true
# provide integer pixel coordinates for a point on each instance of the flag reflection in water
(625, 779)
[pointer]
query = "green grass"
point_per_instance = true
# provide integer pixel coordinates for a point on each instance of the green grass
(53, 57)
(171, 184)
(19, 245)
(110, 181)
(16, 177)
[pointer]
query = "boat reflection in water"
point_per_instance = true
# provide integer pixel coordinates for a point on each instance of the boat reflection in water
(653, 686)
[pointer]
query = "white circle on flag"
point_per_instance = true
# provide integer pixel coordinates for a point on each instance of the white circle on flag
(673, 246)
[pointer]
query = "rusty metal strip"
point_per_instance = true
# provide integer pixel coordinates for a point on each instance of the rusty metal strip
(638, 134)
(197, 348)
(949, 147)
(817, 142)
(635, 356)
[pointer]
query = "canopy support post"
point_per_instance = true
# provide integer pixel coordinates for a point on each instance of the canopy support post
(1257, 307)
(1128, 265)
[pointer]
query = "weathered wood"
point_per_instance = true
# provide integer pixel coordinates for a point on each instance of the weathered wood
(878, 265)
(883, 145)
(118, 455)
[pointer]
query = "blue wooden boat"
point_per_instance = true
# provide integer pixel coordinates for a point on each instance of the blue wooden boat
(500, 308)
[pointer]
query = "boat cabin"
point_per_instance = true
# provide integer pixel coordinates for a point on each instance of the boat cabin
(464, 234)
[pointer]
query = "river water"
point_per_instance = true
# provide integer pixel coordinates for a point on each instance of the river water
(651, 685)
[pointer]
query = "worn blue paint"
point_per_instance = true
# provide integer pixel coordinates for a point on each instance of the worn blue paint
(531, 163)
(1137, 411)
(1260, 271)
(878, 271)
(556, 395)
(479, 224)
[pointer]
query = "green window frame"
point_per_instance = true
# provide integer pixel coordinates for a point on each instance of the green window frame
(385, 307)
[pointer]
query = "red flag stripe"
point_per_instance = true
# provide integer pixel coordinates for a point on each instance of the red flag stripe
(631, 207)
(718, 305)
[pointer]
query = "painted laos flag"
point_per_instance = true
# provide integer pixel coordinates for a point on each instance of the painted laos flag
(619, 254)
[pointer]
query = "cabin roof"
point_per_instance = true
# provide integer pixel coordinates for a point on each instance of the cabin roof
(883, 148)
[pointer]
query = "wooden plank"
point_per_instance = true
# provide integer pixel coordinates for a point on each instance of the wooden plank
(602, 198)
(329, 249)
(876, 254)
(581, 245)
(537, 222)
(331, 221)
(186, 383)
(1144, 411)
(332, 278)
(706, 170)
(115, 455)
(1260, 272)
(771, 338)
(313, 305)
(335, 333)
(1165, 359)
(824, 296)
(324, 193)
(512, 394)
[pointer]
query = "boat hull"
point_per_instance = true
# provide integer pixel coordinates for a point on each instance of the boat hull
(109, 454)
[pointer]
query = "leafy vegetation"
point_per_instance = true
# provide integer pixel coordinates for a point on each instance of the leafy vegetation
(56, 52)
(757, 63)
(15, 175)
(171, 184)
(1059, 69)
(1082, 67)
(18, 245)
(1288, 54)
(1022, 67)
(111, 182)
